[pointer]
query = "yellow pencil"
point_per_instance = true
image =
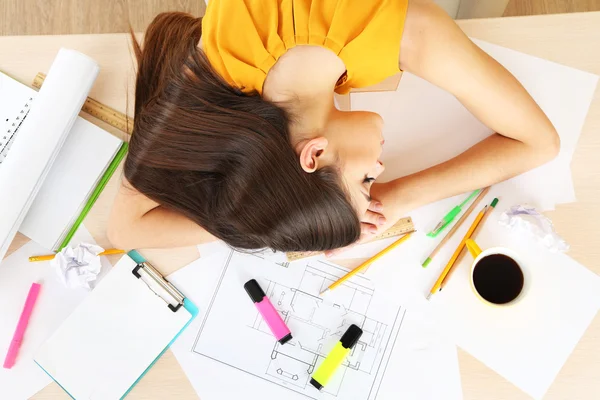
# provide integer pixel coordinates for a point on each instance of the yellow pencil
(368, 262)
(438, 283)
(488, 212)
(51, 256)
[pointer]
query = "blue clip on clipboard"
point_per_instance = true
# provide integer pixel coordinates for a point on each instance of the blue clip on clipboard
(186, 303)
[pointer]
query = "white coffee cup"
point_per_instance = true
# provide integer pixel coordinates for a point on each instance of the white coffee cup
(506, 276)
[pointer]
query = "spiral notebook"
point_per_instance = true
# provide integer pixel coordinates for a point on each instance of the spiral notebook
(69, 183)
(111, 340)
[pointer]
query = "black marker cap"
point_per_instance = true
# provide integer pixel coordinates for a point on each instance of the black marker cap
(254, 291)
(285, 339)
(316, 384)
(351, 336)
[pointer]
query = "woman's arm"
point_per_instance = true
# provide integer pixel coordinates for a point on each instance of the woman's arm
(138, 222)
(434, 48)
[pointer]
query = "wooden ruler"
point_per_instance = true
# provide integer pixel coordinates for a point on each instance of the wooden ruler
(401, 227)
(98, 110)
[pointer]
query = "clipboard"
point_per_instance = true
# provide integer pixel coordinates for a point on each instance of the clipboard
(115, 336)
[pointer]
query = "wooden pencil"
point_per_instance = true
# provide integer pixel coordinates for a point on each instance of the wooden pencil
(457, 225)
(51, 256)
(438, 284)
(366, 263)
(457, 262)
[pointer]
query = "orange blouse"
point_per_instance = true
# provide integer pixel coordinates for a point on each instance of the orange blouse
(244, 38)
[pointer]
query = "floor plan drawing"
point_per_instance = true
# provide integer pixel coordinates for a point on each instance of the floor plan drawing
(309, 316)
(234, 333)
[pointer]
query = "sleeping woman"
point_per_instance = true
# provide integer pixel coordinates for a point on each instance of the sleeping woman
(236, 136)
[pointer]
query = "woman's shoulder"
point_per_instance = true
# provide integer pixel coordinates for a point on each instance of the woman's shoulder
(241, 42)
(244, 39)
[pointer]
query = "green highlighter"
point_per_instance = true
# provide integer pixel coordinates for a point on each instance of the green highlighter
(336, 357)
(448, 218)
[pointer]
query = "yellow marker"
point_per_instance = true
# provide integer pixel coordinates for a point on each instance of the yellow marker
(336, 357)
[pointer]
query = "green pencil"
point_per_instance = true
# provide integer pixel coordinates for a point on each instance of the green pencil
(96, 193)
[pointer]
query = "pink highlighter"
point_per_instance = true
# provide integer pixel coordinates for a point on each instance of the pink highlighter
(269, 313)
(17, 339)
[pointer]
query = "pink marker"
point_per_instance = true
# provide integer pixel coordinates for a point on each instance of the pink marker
(17, 339)
(269, 313)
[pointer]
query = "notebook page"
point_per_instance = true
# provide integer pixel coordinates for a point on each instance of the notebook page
(56, 107)
(15, 101)
(13, 96)
(111, 338)
(81, 162)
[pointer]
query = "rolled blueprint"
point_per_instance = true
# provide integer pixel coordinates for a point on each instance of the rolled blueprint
(40, 137)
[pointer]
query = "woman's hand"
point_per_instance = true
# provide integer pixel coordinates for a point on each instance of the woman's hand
(370, 223)
(372, 220)
(395, 206)
(383, 212)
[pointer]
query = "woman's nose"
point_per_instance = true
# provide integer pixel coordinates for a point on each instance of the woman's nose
(379, 168)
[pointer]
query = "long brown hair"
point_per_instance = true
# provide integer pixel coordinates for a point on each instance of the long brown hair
(224, 158)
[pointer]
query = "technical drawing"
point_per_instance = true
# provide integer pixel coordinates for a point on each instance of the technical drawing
(317, 323)
(310, 315)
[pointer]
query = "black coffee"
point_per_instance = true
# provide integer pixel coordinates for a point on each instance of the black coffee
(498, 278)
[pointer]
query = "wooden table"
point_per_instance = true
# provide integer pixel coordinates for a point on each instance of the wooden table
(570, 39)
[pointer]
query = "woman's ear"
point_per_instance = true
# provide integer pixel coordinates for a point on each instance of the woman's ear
(311, 153)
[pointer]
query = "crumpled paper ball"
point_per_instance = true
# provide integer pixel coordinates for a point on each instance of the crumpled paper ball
(527, 220)
(78, 267)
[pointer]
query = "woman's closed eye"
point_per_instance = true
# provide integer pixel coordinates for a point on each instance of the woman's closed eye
(367, 181)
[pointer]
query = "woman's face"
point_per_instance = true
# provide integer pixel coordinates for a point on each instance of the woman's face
(357, 138)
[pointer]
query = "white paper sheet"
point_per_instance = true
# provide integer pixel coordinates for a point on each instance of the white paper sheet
(228, 323)
(87, 152)
(425, 356)
(54, 111)
(54, 304)
(528, 343)
(425, 125)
